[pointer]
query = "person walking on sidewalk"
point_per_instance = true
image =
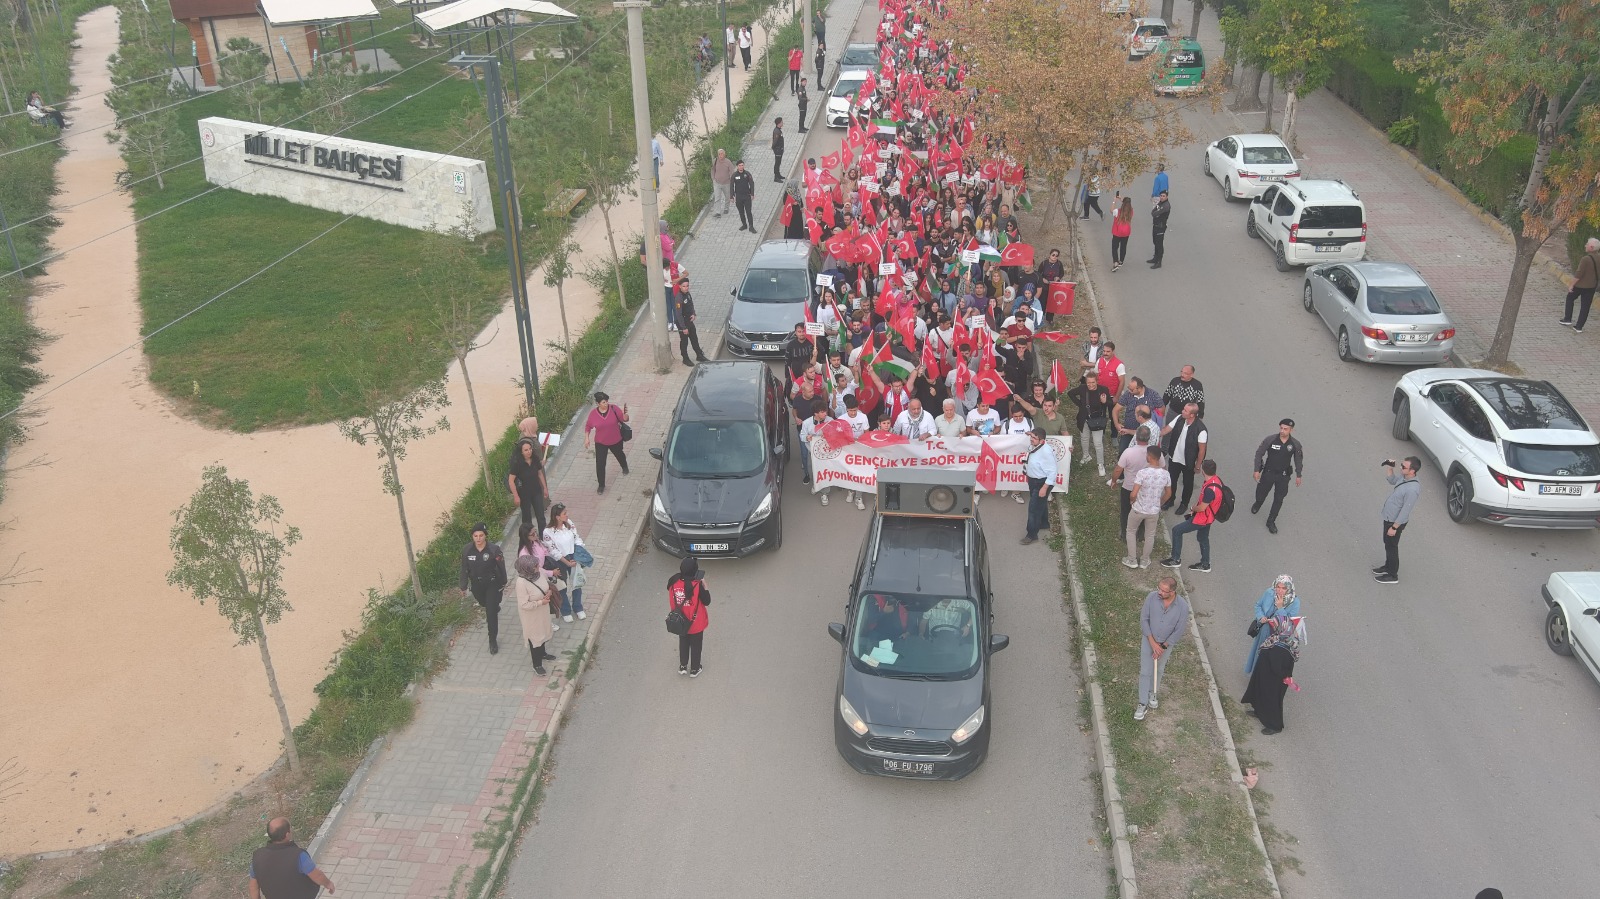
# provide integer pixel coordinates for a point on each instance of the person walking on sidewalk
(561, 543)
(1397, 514)
(1121, 230)
(777, 151)
(603, 432)
(483, 571)
(688, 334)
(1584, 285)
(687, 593)
(810, 426)
(534, 596)
(1279, 599)
(747, 39)
(1091, 198)
(797, 60)
(531, 543)
(744, 193)
(1198, 521)
(731, 38)
(1162, 622)
(803, 98)
(1041, 471)
(721, 182)
(1274, 459)
(1159, 213)
(1160, 185)
(282, 870)
(1094, 404)
(529, 488)
(820, 57)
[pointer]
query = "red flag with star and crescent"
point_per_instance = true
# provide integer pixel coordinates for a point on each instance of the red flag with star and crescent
(990, 385)
(1016, 254)
(1054, 336)
(963, 377)
(930, 361)
(988, 468)
(1058, 377)
(837, 434)
(880, 439)
(1058, 298)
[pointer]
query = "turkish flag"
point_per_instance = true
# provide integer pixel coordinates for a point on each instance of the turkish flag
(841, 247)
(885, 302)
(855, 136)
(990, 385)
(830, 161)
(1011, 174)
(963, 378)
(814, 230)
(787, 215)
(990, 170)
(1054, 336)
(906, 248)
(1016, 254)
(1058, 301)
(930, 361)
(960, 334)
(906, 327)
(988, 468)
(869, 248)
(827, 179)
(880, 439)
(846, 156)
(837, 434)
(868, 396)
(1058, 377)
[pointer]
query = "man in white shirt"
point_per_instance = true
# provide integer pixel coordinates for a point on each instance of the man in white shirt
(983, 420)
(733, 41)
(1024, 317)
(950, 425)
(858, 425)
(964, 400)
(1152, 486)
(914, 422)
(809, 429)
(1184, 439)
(844, 391)
(746, 39)
(1019, 425)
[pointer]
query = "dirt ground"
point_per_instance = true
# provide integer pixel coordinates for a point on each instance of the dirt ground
(128, 705)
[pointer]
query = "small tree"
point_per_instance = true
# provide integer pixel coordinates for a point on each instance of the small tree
(245, 68)
(702, 95)
(392, 425)
(1512, 67)
(226, 547)
(326, 97)
(607, 191)
(680, 133)
(146, 128)
(1295, 41)
(557, 269)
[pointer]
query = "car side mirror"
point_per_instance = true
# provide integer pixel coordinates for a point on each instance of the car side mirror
(998, 642)
(655, 453)
(1257, 201)
(777, 449)
(734, 292)
(1592, 613)
(836, 631)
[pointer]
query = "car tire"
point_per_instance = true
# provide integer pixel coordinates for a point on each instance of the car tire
(1401, 430)
(1280, 260)
(1227, 190)
(1250, 225)
(777, 534)
(1458, 496)
(1342, 346)
(1305, 298)
(1556, 634)
(1205, 164)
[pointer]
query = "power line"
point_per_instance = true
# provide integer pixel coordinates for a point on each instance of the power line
(140, 341)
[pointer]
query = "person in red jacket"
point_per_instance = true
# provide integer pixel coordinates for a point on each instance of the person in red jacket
(687, 590)
(1199, 521)
(797, 59)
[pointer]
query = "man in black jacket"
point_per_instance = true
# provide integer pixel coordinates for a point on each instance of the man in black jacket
(688, 334)
(1275, 457)
(744, 192)
(1158, 228)
(1184, 441)
(800, 352)
(777, 150)
(483, 571)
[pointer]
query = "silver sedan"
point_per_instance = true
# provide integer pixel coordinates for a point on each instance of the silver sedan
(1379, 312)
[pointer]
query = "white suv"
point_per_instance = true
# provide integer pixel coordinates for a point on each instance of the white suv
(1512, 451)
(1305, 222)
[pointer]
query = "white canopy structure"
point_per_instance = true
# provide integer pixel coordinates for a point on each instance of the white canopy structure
(497, 20)
(316, 12)
(452, 16)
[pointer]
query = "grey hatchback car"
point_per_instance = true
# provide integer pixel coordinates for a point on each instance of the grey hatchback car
(1379, 312)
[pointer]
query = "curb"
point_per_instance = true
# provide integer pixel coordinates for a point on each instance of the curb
(357, 778)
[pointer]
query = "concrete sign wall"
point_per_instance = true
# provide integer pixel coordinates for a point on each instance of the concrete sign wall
(426, 191)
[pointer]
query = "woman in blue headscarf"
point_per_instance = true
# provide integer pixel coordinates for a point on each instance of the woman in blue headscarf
(1280, 599)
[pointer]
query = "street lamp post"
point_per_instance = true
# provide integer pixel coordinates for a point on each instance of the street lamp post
(647, 185)
(727, 67)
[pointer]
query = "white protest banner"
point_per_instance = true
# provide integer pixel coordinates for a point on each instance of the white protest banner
(968, 257)
(893, 189)
(883, 169)
(888, 268)
(824, 280)
(855, 465)
(868, 184)
(814, 329)
(910, 279)
(952, 177)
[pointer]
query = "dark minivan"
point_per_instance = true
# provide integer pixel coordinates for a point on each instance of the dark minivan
(913, 694)
(721, 480)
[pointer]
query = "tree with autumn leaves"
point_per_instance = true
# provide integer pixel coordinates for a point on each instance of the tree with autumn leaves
(1510, 67)
(1294, 41)
(1053, 81)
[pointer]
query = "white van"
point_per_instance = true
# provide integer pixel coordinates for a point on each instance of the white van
(1310, 221)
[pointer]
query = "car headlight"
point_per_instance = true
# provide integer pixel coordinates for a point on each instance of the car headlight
(659, 509)
(763, 509)
(851, 719)
(969, 727)
(737, 334)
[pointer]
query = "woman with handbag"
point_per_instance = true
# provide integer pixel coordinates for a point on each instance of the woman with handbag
(534, 595)
(687, 598)
(566, 552)
(529, 544)
(1280, 599)
(605, 431)
(1274, 672)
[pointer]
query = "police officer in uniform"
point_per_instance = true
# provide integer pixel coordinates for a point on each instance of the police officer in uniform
(1278, 456)
(744, 193)
(483, 570)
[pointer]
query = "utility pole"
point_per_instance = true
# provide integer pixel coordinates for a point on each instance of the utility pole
(647, 184)
(727, 67)
(807, 49)
(510, 218)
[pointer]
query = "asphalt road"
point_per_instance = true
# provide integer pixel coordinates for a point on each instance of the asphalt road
(1438, 747)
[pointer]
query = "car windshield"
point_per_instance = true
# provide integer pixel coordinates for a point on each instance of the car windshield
(1267, 156)
(1529, 405)
(859, 55)
(1557, 461)
(1417, 300)
(1187, 59)
(1151, 31)
(903, 635)
(711, 449)
(1316, 217)
(847, 87)
(775, 285)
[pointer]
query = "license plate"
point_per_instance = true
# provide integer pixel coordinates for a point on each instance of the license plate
(917, 769)
(1561, 489)
(1324, 248)
(1271, 177)
(708, 547)
(764, 347)
(1411, 338)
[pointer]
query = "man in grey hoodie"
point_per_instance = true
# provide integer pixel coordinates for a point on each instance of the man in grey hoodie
(1396, 514)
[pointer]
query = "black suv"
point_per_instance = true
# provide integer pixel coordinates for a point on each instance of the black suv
(913, 695)
(721, 480)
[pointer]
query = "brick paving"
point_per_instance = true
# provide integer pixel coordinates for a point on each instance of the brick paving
(410, 829)
(1466, 259)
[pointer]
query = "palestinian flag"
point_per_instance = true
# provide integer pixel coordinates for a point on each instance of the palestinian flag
(886, 126)
(1024, 201)
(987, 253)
(888, 365)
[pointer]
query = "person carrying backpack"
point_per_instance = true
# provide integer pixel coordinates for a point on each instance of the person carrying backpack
(1215, 504)
(687, 598)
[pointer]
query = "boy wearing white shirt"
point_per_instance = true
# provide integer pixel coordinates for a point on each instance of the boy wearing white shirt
(808, 429)
(858, 426)
(983, 420)
(1019, 425)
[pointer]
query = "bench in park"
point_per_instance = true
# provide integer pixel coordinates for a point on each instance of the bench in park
(564, 202)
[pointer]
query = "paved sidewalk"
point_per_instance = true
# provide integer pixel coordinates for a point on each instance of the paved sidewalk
(1466, 259)
(411, 828)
